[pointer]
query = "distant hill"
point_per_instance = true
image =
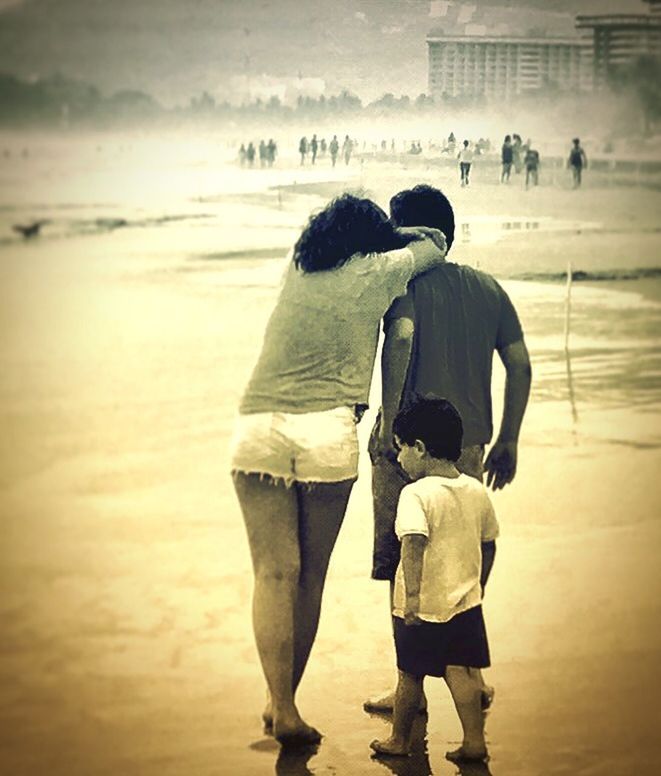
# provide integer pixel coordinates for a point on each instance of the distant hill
(234, 48)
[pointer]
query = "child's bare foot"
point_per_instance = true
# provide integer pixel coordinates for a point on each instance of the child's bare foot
(467, 754)
(391, 747)
(295, 733)
(385, 704)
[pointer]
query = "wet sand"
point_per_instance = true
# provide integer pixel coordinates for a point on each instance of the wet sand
(126, 640)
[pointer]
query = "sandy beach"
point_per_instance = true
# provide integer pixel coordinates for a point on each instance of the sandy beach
(126, 645)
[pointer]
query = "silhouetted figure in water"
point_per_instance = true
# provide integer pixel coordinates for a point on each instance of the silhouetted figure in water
(506, 157)
(577, 161)
(303, 148)
(29, 230)
(314, 146)
(334, 147)
(250, 154)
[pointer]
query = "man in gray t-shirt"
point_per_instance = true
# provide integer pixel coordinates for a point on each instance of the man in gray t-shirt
(440, 339)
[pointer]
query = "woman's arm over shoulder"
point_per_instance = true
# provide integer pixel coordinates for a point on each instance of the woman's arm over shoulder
(428, 249)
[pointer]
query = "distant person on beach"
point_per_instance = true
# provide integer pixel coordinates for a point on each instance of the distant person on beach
(440, 339)
(506, 158)
(517, 145)
(314, 147)
(465, 161)
(577, 161)
(271, 151)
(444, 518)
(242, 155)
(334, 147)
(262, 153)
(250, 154)
(322, 146)
(531, 162)
(303, 148)
(295, 447)
(347, 148)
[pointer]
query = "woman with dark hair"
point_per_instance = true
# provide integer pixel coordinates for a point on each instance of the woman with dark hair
(295, 449)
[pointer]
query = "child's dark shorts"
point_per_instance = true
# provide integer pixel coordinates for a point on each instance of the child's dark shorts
(427, 649)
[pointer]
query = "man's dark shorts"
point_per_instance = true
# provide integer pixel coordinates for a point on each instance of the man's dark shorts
(388, 480)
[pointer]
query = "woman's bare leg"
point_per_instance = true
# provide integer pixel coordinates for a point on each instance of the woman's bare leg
(270, 511)
(322, 507)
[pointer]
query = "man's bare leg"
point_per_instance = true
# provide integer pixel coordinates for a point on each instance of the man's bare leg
(385, 703)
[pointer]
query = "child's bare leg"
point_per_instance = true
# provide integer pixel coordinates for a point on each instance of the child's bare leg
(486, 691)
(466, 691)
(407, 702)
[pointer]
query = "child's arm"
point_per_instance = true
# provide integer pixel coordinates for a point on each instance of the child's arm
(413, 548)
(488, 557)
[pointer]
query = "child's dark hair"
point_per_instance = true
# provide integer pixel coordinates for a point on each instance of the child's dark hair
(434, 421)
(346, 226)
(423, 205)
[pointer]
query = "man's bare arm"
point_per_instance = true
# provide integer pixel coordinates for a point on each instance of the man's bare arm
(395, 357)
(500, 464)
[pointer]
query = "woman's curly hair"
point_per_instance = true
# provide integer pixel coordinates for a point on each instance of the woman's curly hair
(346, 226)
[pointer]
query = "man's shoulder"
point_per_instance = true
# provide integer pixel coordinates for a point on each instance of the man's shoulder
(448, 270)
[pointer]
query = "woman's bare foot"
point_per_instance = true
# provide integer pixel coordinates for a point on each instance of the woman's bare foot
(267, 719)
(391, 747)
(467, 754)
(295, 733)
(386, 703)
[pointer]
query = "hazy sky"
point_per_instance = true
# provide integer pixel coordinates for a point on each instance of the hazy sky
(238, 49)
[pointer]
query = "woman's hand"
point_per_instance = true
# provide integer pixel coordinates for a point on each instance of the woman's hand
(425, 232)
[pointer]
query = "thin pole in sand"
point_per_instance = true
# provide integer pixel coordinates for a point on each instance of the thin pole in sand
(568, 305)
(570, 379)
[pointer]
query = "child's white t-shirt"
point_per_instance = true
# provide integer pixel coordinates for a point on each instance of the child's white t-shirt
(456, 516)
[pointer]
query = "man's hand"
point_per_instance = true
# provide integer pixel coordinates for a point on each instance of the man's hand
(411, 609)
(385, 444)
(500, 464)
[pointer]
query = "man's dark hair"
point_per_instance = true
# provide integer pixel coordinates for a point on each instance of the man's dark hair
(424, 205)
(434, 421)
(346, 226)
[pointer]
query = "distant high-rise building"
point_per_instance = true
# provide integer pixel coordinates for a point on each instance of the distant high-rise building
(498, 66)
(619, 39)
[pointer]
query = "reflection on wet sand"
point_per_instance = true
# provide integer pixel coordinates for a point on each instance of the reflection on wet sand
(294, 762)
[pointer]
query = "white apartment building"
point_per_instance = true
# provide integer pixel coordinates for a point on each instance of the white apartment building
(495, 66)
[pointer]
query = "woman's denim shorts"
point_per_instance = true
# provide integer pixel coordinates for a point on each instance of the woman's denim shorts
(306, 447)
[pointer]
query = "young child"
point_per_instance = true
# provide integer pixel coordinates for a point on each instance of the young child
(443, 517)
